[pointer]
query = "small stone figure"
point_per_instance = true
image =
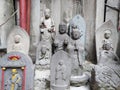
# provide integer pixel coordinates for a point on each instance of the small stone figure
(60, 73)
(18, 40)
(47, 27)
(17, 46)
(44, 56)
(62, 39)
(106, 35)
(107, 39)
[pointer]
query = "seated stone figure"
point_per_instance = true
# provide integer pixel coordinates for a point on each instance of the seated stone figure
(62, 39)
(106, 52)
(44, 56)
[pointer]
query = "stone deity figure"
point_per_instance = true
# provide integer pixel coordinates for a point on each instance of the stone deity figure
(62, 39)
(107, 39)
(106, 52)
(44, 56)
(75, 49)
(17, 46)
(47, 27)
(14, 81)
(60, 77)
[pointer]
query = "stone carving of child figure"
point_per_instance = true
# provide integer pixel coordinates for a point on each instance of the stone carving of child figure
(44, 56)
(47, 26)
(17, 46)
(107, 39)
(60, 77)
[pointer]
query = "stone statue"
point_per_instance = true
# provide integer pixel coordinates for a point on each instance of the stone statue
(60, 73)
(17, 46)
(79, 77)
(62, 39)
(18, 40)
(47, 27)
(44, 55)
(107, 39)
(106, 35)
(76, 50)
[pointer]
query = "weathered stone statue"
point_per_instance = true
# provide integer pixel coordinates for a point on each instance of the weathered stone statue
(43, 55)
(47, 27)
(106, 34)
(17, 46)
(18, 40)
(42, 66)
(60, 77)
(75, 49)
(79, 79)
(106, 72)
(62, 39)
(60, 71)
(16, 71)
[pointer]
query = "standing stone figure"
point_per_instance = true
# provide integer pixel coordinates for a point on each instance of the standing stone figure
(75, 49)
(47, 27)
(62, 39)
(60, 73)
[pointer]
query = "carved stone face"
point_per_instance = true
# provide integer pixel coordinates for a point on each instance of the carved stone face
(76, 35)
(47, 13)
(62, 28)
(107, 34)
(17, 39)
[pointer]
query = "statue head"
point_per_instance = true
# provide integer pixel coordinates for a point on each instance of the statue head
(47, 13)
(76, 34)
(107, 34)
(43, 49)
(14, 71)
(62, 28)
(17, 38)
